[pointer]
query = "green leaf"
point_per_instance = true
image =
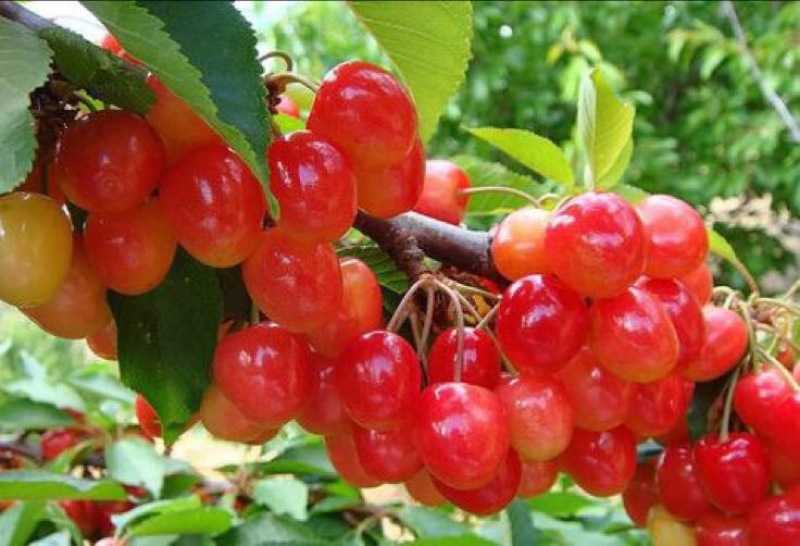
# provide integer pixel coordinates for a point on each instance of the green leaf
(288, 124)
(42, 390)
(466, 540)
(535, 152)
(23, 414)
(150, 509)
(614, 174)
(102, 74)
(431, 523)
(385, 269)
(102, 385)
(430, 42)
(133, 461)
(26, 62)
(204, 519)
(605, 124)
(560, 503)
(283, 496)
(267, 529)
(521, 524)
(718, 245)
(59, 538)
(41, 485)
(18, 522)
(631, 194)
(205, 53)
(167, 338)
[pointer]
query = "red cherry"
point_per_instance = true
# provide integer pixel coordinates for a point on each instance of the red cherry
(491, 497)
(715, 529)
(83, 514)
(725, 344)
(322, 411)
(110, 44)
(264, 371)
(681, 492)
(344, 458)
(480, 363)
(657, 407)
(390, 457)
(314, 186)
(108, 161)
(537, 478)
(733, 472)
(149, 422)
(389, 190)
(378, 378)
(632, 336)
(602, 463)
(541, 324)
(104, 511)
(441, 197)
(56, 441)
(775, 521)
(298, 285)
(223, 420)
(366, 113)
(757, 395)
(540, 416)
(462, 433)
(103, 342)
(677, 434)
(700, 283)
(641, 493)
(786, 416)
(41, 180)
(518, 244)
(596, 244)
(422, 489)
(784, 467)
(288, 107)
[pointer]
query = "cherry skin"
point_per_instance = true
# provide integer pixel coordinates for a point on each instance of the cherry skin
(366, 113)
(314, 186)
(103, 342)
(596, 244)
(775, 521)
(441, 196)
(665, 530)
(422, 489)
(108, 161)
(700, 283)
(540, 416)
(389, 190)
(538, 477)
(378, 379)
(56, 441)
(40, 180)
(223, 420)
(298, 285)
(480, 364)
(756, 396)
(344, 458)
(322, 411)
(79, 308)
(784, 468)
(602, 463)
(83, 514)
(288, 107)
(389, 457)
(715, 529)
(633, 337)
(786, 416)
(724, 346)
(641, 493)
(149, 422)
(492, 497)
(657, 407)
(264, 371)
(679, 485)
(35, 249)
(541, 324)
(461, 433)
(733, 472)
(518, 244)
(131, 251)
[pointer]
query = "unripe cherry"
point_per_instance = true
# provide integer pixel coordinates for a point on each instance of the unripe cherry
(518, 244)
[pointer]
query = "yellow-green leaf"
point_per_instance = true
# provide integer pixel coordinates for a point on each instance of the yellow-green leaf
(721, 247)
(614, 175)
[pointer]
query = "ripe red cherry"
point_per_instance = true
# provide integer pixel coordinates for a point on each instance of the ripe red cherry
(786, 416)
(359, 312)
(681, 492)
(716, 529)
(314, 186)
(462, 433)
(40, 180)
(775, 521)
(344, 458)
(733, 472)
(541, 324)
(83, 514)
(602, 463)
(298, 285)
(389, 190)
(724, 346)
(596, 244)
(422, 489)
(389, 457)
(149, 422)
(366, 113)
(378, 378)
(641, 493)
(108, 161)
(131, 251)
(784, 468)
(518, 244)
(632, 335)
(322, 411)
(537, 478)
(601, 400)
(223, 420)
(540, 416)
(700, 283)
(288, 107)
(441, 196)
(480, 363)
(264, 371)
(103, 342)
(657, 407)
(757, 395)
(491, 497)
(215, 204)
(56, 441)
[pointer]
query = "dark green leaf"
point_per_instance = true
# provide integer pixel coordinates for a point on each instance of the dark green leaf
(466, 540)
(717, 244)
(705, 394)
(385, 269)
(521, 524)
(24, 414)
(267, 529)
(134, 461)
(18, 522)
(40, 485)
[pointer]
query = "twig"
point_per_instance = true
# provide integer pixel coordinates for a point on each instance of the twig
(15, 12)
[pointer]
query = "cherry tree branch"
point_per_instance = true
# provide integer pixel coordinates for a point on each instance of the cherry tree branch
(25, 17)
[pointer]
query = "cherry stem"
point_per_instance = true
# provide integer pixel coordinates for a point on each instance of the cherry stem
(752, 335)
(482, 324)
(501, 189)
(285, 57)
(728, 407)
(401, 312)
(769, 359)
(459, 363)
(488, 317)
(430, 295)
(785, 305)
(421, 354)
(255, 314)
(281, 79)
(792, 290)
(471, 289)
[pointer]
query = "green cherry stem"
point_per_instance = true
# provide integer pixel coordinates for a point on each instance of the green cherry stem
(501, 189)
(402, 312)
(728, 407)
(752, 335)
(769, 359)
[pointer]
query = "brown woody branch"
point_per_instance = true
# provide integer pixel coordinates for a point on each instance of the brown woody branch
(25, 17)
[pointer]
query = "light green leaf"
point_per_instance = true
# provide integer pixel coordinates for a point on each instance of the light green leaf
(718, 245)
(24, 414)
(283, 496)
(150, 509)
(466, 540)
(101, 384)
(24, 65)
(533, 151)
(560, 503)
(134, 461)
(614, 175)
(18, 522)
(431, 44)
(41, 390)
(60, 538)
(201, 520)
(41, 485)
(288, 124)
(631, 194)
(431, 523)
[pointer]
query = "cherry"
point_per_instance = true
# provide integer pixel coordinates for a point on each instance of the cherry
(700, 283)
(35, 248)
(676, 435)
(775, 521)
(314, 186)
(480, 363)
(462, 433)
(422, 489)
(733, 471)
(344, 458)
(83, 514)
(359, 312)
(537, 478)
(322, 411)
(602, 463)
(103, 342)
(215, 204)
(665, 530)
(676, 236)
(131, 251)
(390, 457)
(366, 113)
(79, 308)
(641, 493)
(518, 244)
(104, 511)
(288, 107)
(540, 416)
(596, 244)
(657, 407)
(39, 180)
(784, 468)
(389, 190)
(223, 419)
(378, 379)
(786, 418)
(715, 529)
(56, 441)
(491, 497)
(149, 422)
(724, 346)
(264, 371)
(108, 161)
(298, 285)
(541, 324)
(679, 484)
(756, 396)
(632, 336)
(441, 196)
